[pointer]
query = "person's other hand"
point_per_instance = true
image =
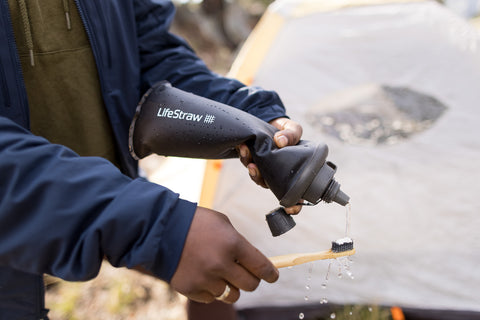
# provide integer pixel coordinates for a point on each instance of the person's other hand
(216, 255)
(289, 134)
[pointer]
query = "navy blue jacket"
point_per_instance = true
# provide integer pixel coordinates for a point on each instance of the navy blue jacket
(61, 213)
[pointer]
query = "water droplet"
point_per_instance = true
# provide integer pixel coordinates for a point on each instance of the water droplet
(324, 300)
(310, 267)
(333, 316)
(370, 309)
(301, 316)
(307, 287)
(350, 313)
(340, 275)
(306, 298)
(328, 271)
(324, 286)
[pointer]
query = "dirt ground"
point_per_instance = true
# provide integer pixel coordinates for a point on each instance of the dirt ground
(116, 294)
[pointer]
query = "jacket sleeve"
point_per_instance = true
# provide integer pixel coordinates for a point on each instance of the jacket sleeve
(61, 214)
(164, 56)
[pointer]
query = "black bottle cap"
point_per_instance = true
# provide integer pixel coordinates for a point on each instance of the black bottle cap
(279, 221)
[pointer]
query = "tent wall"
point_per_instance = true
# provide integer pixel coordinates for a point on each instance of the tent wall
(414, 203)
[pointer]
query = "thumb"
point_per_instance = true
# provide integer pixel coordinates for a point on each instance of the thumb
(289, 132)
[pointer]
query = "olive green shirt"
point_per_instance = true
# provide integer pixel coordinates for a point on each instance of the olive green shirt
(60, 75)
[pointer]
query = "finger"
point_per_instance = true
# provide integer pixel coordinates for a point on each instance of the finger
(287, 124)
(203, 289)
(241, 278)
(202, 296)
(286, 137)
(232, 296)
(293, 210)
(218, 288)
(255, 175)
(289, 132)
(244, 154)
(282, 139)
(256, 263)
(217, 291)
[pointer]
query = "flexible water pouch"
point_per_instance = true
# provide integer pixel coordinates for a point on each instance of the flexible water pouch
(172, 122)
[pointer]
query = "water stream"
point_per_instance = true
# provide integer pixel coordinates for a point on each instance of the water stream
(343, 264)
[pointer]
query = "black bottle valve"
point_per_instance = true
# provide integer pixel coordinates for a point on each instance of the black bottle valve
(172, 122)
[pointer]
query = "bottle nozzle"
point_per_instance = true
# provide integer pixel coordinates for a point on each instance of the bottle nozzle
(333, 193)
(341, 198)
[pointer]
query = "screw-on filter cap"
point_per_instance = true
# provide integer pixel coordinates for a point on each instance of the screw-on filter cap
(279, 221)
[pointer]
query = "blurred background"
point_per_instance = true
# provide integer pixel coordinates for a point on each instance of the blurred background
(392, 88)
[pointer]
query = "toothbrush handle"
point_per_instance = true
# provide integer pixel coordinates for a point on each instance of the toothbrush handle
(294, 259)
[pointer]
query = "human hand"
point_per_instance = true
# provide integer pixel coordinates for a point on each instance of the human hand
(289, 134)
(216, 255)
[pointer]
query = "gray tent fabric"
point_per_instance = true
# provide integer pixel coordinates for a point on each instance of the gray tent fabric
(415, 201)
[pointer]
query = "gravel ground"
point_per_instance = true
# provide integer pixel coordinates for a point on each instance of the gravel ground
(116, 294)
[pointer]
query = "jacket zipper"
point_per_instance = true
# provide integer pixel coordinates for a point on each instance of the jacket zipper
(99, 62)
(93, 44)
(101, 11)
(3, 80)
(12, 48)
(3, 77)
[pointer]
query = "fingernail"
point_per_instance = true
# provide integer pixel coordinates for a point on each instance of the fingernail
(252, 172)
(282, 141)
(243, 152)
